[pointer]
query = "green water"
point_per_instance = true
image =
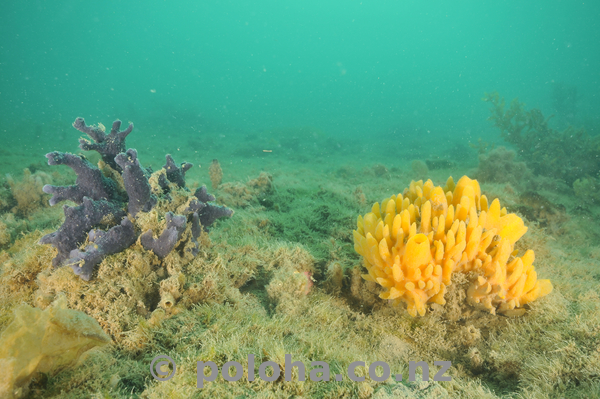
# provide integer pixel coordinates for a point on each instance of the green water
(384, 70)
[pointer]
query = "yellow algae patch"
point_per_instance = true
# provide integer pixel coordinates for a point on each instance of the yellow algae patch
(413, 242)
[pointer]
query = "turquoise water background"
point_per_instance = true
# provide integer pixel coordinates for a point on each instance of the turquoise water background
(352, 69)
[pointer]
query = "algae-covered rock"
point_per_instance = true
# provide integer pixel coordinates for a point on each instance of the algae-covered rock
(28, 193)
(292, 280)
(500, 166)
(587, 189)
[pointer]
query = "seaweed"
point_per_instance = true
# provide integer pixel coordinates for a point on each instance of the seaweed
(569, 154)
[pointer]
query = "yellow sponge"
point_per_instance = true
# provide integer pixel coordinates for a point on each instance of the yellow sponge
(412, 243)
(44, 342)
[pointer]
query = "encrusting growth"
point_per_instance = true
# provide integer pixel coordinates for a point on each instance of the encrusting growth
(413, 242)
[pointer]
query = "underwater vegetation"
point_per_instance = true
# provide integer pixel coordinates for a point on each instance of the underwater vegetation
(121, 197)
(570, 155)
(282, 277)
(414, 242)
(28, 192)
(21, 199)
